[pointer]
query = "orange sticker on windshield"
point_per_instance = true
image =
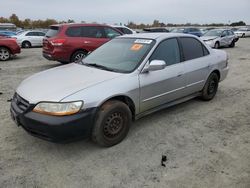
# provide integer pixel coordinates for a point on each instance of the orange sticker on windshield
(136, 47)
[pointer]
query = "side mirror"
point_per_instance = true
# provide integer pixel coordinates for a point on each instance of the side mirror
(155, 65)
(223, 35)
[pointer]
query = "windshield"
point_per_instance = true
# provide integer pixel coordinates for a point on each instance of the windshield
(213, 33)
(120, 55)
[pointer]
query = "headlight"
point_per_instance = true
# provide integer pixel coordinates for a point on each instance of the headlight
(58, 109)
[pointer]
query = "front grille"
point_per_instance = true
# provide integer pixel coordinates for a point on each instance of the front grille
(20, 102)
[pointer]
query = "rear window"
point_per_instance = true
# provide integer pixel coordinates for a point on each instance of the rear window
(53, 31)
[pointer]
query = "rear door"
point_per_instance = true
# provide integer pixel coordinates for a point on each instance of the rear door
(32, 38)
(196, 63)
(163, 86)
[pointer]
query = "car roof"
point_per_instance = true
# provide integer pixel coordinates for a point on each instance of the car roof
(78, 24)
(156, 35)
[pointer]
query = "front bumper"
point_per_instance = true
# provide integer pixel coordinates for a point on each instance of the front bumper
(54, 128)
(210, 43)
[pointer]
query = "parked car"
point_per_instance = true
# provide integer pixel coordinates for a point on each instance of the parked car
(243, 32)
(28, 39)
(192, 31)
(217, 38)
(71, 42)
(8, 48)
(123, 80)
(124, 29)
(156, 29)
(7, 33)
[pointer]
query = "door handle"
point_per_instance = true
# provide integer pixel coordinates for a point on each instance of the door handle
(87, 42)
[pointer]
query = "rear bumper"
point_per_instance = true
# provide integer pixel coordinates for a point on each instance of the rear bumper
(55, 128)
(57, 55)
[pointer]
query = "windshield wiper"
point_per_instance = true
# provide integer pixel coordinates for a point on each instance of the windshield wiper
(99, 66)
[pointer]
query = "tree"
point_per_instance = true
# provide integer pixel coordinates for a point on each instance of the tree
(240, 23)
(15, 20)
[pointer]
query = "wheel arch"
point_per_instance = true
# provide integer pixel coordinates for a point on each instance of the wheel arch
(6, 48)
(125, 99)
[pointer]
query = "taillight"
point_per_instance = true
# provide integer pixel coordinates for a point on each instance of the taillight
(57, 42)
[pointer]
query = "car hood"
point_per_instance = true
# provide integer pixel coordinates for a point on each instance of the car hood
(57, 83)
(205, 38)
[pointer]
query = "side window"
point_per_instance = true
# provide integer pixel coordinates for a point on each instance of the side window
(92, 32)
(126, 31)
(41, 34)
(168, 51)
(111, 33)
(30, 34)
(192, 48)
(73, 32)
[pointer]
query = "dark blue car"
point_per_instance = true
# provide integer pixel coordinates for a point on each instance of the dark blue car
(193, 31)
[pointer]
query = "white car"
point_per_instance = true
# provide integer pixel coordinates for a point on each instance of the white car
(243, 32)
(217, 38)
(29, 39)
(124, 29)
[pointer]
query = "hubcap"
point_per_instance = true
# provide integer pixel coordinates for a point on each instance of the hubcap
(79, 56)
(212, 87)
(4, 54)
(113, 125)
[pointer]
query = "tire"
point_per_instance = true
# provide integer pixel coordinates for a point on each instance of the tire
(217, 45)
(26, 44)
(112, 123)
(232, 44)
(78, 55)
(4, 54)
(211, 87)
(243, 35)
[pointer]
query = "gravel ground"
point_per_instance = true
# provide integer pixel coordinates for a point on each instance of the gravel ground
(207, 144)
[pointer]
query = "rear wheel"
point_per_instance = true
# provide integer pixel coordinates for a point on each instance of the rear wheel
(216, 45)
(78, 56)
(26, 44)
(112, 124)
(243, 35)
(211, 87)
(4, 54)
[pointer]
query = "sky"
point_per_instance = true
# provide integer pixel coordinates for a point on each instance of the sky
(138, 11)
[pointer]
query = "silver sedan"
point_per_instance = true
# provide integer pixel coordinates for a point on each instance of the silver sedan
(123, 80)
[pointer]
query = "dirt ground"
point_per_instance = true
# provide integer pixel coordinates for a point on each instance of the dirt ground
(207, 144)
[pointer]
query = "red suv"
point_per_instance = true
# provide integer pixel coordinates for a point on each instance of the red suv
(70, 42)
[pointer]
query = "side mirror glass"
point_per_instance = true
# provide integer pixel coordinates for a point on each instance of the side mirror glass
(155, 65)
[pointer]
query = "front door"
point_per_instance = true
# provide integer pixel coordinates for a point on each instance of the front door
(163, 86)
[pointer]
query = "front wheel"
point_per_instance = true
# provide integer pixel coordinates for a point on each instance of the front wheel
(112, 124)
(4, 54)
(211, 87)
(217, 45)
(232, 44)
